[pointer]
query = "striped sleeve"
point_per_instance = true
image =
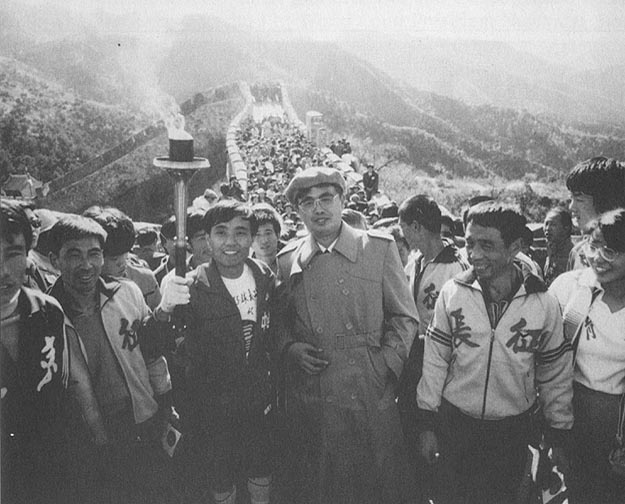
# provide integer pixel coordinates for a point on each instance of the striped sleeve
(554, 368)
(438, 336)
(437, 355)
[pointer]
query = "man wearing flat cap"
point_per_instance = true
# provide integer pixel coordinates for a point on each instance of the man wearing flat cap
(350, 321)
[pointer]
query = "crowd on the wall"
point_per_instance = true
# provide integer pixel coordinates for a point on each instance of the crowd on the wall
(327, 345)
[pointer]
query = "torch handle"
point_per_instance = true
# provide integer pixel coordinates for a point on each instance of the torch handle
(180, 210)
(180, 250)
(180, 259)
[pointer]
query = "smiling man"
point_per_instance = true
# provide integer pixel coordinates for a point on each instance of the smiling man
(350, 322)
(267, 239)
(123, 342)
(119, 261)
(557, 226)
(40, 362)
(229, 325)
(494, 348)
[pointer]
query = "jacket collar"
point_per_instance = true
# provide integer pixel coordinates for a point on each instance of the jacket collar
(347, 245)
(207, 275)
(447, 254)
(531, 283)
(588, 278)
(106, 288)
(28, 303)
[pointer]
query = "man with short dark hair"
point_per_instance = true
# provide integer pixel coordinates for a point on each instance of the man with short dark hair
(267, 242)
(124, 344)
(40, 362)
(168, 242)
(197, 240)
(118, 259)
(558, 226)
(434, 262)
(148, 248)
(595, 186)
(228, 340)
(494, 349)
(352, 320)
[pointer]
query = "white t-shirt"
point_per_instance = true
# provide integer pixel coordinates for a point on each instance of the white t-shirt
(243, 291)
(601, 351)
(600, 360)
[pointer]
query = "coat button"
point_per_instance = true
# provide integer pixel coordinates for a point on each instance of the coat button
(319, 330)
(352, 361)
(349, 326)
(345, 292)
(353, 396)
(341, 280)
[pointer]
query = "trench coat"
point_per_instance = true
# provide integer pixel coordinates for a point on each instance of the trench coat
(355, 304)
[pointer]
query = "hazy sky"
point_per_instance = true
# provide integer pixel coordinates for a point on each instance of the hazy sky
(557, 29)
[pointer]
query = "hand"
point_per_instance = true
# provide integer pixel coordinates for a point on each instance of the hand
(428, 446)
(175, 292)
(306, 357)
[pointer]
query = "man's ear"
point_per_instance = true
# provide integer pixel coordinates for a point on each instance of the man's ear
(54, 260)
(515, 247)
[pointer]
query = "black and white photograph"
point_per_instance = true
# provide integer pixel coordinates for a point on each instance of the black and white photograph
(312, 252)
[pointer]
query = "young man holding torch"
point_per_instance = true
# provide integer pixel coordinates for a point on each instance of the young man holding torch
(227, 342)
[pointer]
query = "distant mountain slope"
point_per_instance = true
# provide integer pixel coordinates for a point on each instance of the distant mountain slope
(448, 136)
(48, 129)
(480, 72)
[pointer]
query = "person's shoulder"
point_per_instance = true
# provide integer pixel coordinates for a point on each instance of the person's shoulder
(260, 266)
(377, 234)
(290, 247)
(566, 283)
(136, 261)
(39, 300)
(138, 272)
(115, 284)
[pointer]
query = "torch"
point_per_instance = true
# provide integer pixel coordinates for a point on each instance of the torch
(181, 166)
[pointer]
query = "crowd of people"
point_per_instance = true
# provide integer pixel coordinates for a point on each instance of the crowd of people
(326, 345)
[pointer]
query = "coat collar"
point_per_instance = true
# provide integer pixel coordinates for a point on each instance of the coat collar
(347, 245)
(106, 288)
(531, 283)
(206, 276)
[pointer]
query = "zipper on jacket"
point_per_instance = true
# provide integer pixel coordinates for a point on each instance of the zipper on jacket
(490, 357)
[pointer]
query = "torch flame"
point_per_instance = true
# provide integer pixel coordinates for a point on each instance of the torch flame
(175, 127)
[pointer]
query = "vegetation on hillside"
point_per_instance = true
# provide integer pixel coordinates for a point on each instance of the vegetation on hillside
(49, 131)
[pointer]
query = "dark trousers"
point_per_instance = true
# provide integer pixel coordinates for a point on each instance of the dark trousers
(482, 461)
(228, 449)
(594, 433)
(133, 469)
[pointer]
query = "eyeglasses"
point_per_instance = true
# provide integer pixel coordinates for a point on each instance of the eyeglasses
(325, 202)
(606, 253)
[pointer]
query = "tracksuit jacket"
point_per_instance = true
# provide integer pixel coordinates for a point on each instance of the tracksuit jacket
(135, 338)
(491, 373)
(222, 382)
(426, 283)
